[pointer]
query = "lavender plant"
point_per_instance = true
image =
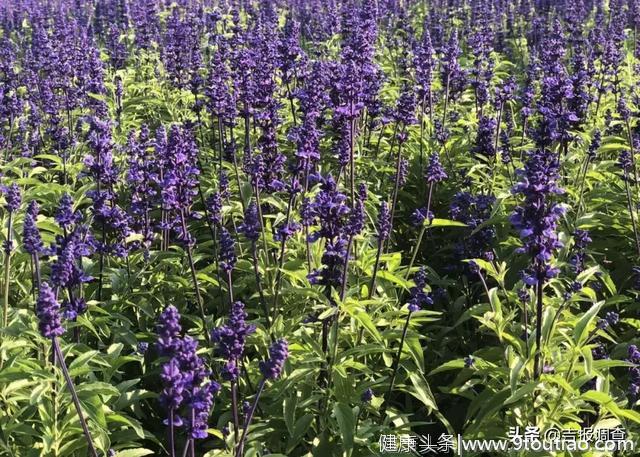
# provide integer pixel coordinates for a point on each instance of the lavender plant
(242, 181)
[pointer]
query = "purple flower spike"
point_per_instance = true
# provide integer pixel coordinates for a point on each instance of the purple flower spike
(48, 311)
(418, 296)
(251, 226)
(367, 396)
(435, 171)
(537, 219)
(384, 221)
(201, 404)
(65, 216)
(174, 384)
(31, 235)
(168, 329)
(278, 353)
(13, 198)
(231, 338)
(227, 251)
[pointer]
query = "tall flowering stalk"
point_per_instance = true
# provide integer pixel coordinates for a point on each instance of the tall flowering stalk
(307, 138)
(291, 59)
(112, 220)
(353, 228)
(180, 50)
(434, 174)
(143, 181)
(50, 325)
(417, 299)
(161, 153)
(331, 211)
(424, 63)
(179, 187)
(228, 259)
(536, 220)
(625, 113)
(405, 116)
(230, 342)
(504, 95)
(32, 241)
(314, 99)
(13, 200)
(250, 228)
(271, 369)
(220, 99)
(356, 86)
(187, 384)
(452, 75)
(67, 273)
(626, 161)
(283, 233)
(214, 215)
(384, 230)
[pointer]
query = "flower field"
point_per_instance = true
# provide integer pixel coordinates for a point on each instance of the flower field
(301, 227)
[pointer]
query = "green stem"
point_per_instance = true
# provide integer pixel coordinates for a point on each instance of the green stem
(396, 363)
(194, 278)
(172, 445)
(74, 396)
(234, 410)
(372, 285)
(539, 302)
(7, 268)
(422, 231)
(243, 439)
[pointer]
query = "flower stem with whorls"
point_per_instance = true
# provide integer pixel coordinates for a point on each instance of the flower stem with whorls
(7, 268)
(243, 438)
(422, 231)
(74, 396)
(539, 301)
(396, 185)
(396, 362)
(256, 271)
(194, 278)
(172, 437)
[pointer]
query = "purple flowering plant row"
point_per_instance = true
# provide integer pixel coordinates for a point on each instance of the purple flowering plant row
(246, 228)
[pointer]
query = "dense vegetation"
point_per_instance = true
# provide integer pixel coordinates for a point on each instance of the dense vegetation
(288, 227)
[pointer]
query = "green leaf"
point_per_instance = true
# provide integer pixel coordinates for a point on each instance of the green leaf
(364, 320)
(422, 391)
(514, 374)
(134, 237)
(394, 279)
(215, 432)
(521, 392)
(606, 402)
(289, 411)
(81, 364)
(138, 452)
(51, 157)
(134, 424)
(443, 223)
(583, 323)
(588, 360)
(496, 304)
(347, 423)
(302, 425)
(97, 388)
(488, 403)
(450, 365)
